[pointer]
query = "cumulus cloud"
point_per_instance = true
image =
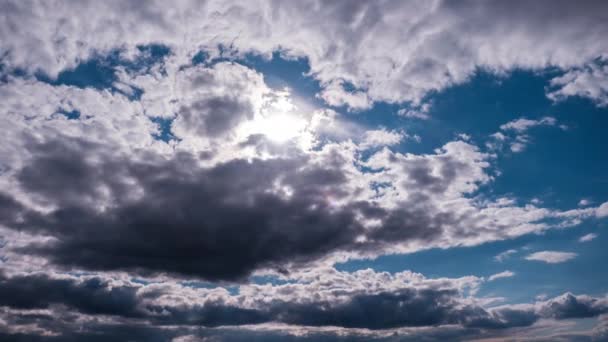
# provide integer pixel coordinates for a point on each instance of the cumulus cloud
(176, 164)
(602, 210)
(359, 52)
(588, 82)
(381, 137)
(551, 257)
(318, 302)
(106, 201)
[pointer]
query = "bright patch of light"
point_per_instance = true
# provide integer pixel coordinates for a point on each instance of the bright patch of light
(280, 127)
(277, 120)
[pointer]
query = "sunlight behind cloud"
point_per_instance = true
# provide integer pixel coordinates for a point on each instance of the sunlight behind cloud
(278, 120)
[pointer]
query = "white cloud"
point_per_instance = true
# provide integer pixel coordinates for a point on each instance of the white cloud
(505, 255)
(523, 124)
(587, 237)
(551, 257)
(433, 189)
(514, 133)
(225, 118)
(334, 94)
(417, 112)
(588, 82)
(584, 202)
(381, 137)
(602, 210)
(384, 51)
(505, 274)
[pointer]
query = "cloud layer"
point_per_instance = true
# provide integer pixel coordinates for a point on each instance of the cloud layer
(154, 186)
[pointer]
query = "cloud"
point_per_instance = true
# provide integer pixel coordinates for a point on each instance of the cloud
(381, 137)
(584, 202)
(505, 255)
(587, 237)
(504, 274)
(148, 173)
(336, 304)
(551, 257)
(519, 127)
(602, 210)
(571, 306)
(92, 296)
(589, 82)
(421, 112)
(136, 196)
(523, 124)
(147, 233)
(443, 44)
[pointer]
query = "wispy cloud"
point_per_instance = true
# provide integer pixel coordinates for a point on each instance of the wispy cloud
(504, 274)
(551, 257)
(587, 237)
(505, 255)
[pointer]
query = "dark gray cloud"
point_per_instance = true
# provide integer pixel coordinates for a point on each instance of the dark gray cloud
(571, 306)
(93, 296)
(216, 223)
(408, 307)
(151, 309)
(213, 117)
(157, 215)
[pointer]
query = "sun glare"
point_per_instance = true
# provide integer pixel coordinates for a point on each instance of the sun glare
(280, 127)
(278, 121)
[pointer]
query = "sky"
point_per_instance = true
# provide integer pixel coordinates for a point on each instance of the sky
(303, 170)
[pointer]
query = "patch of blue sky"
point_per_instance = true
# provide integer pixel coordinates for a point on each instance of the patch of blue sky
(280, 73)
(99, 72)
(233, 289)
(531, 279)
(269, 279)
(70, 114)
(550, 166)
(163, 129)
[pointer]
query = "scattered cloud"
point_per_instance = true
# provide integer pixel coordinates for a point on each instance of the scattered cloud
(514, 133)
(381, 137)
(400, 64)
(521, 125)
(602, 210)
(504, 274)
(505, 255)
(587, 237)
(584, 202)
(551, 257)
(421, 112)
(590, 81)
(151, 173)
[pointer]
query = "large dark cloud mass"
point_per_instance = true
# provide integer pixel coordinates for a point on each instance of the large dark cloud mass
(218, 223)
(92, 296)
(408, 307)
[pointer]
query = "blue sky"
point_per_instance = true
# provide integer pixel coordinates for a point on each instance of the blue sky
(548, 169)
(340, 171)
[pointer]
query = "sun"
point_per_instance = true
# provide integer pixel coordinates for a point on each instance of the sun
(280, 127)
(278, 120)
